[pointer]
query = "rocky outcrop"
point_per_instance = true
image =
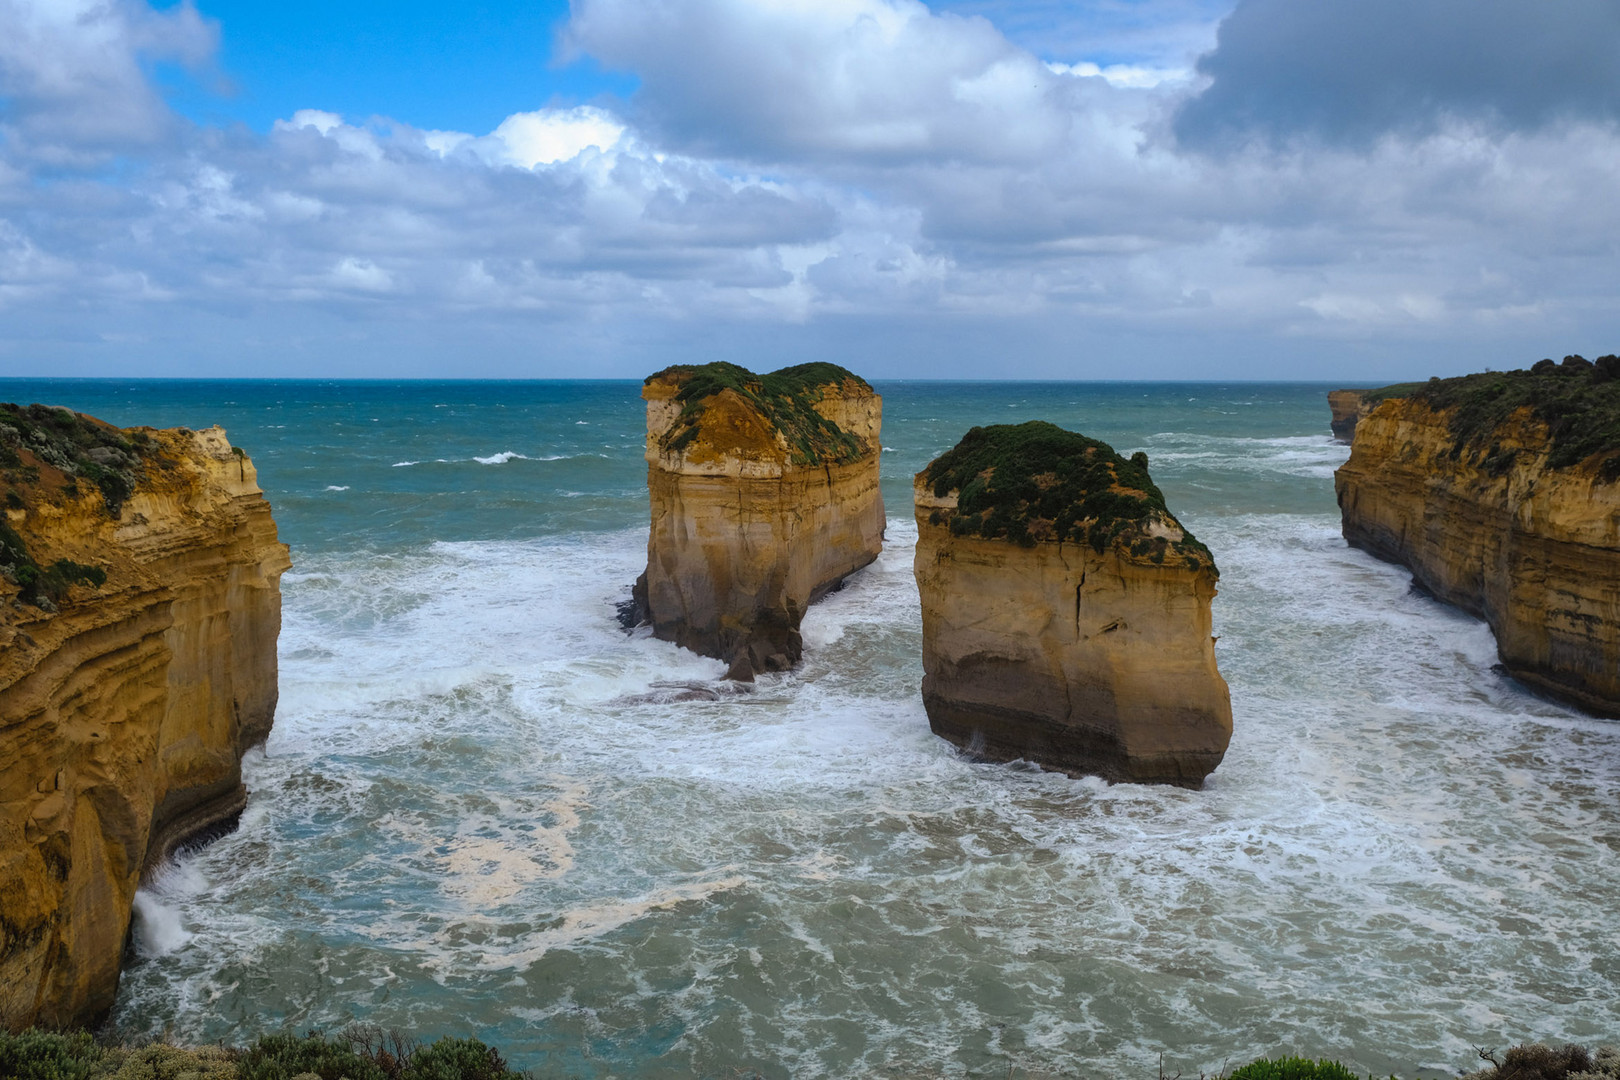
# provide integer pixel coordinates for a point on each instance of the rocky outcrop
(764, 493)
(1501, 493)
(1347, 407)
(1066, 613)
(139, 624)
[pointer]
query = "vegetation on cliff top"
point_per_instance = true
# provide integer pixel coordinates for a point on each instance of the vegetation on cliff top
(1036, 481)
(1578, 400)
(78, 446)
(785, 398)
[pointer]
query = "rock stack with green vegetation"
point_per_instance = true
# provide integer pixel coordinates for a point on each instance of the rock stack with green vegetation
(1066, 612)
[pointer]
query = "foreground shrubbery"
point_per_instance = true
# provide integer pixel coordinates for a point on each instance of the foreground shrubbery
(368, 1053)
(359, 1054)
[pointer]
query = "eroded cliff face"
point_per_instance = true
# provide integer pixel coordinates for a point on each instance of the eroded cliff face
(756, 511)
(1347, 408)
(1495, 529)
(1078, 642)
(125, 712)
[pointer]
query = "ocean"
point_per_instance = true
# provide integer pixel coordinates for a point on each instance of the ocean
(484, 811)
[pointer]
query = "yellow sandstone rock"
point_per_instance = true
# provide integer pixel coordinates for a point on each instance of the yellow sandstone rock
(1494, 527)
(1066, 613)
(124, 713)
(764, 493)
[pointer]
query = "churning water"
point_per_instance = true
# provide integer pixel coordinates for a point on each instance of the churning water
(486, 810)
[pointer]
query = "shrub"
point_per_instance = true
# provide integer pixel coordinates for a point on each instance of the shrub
(1293, 1068)
(282, 1057)
(43, 1055)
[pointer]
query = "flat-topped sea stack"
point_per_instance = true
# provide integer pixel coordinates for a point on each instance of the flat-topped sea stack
(764, 492)
(139, 610)
(1066, 613)
(1501, 493)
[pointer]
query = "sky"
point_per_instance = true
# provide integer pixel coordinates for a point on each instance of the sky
(1347, 190)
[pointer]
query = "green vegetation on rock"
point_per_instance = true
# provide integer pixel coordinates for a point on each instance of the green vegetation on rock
(785, 398)
(1578, 400)
(42, 586)
(1036, 481)
(359, 1054)
(77, 445)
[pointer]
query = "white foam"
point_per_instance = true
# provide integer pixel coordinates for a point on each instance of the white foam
(337, 487)
(502, 458)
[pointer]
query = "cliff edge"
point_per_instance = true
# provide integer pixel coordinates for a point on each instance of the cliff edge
(1501, 493)
(1066, 613)
(139, 612)
(764, 493)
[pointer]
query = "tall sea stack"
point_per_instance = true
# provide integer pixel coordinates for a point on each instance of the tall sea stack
(1501, 493)
(1066, 613)
(138, 615)
(764, 492)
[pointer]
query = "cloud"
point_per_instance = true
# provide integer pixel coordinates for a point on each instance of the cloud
(861, 178)
(1353, 72)
(72, 87)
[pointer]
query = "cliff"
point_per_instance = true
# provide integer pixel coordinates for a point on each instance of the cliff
(1499, 492)
(1066, 613)
(1349, 407)
(138, 617)
(764, 493)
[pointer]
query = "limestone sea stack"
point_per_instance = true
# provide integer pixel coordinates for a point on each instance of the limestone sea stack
(764, 492)
(139, 611)
(1065, 611)
(1501, 493)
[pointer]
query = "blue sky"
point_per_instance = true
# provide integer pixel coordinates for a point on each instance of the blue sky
(1345, 189)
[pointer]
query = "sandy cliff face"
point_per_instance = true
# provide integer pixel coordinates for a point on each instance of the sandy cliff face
(124, 714)
(1089, 657)
(1497, 530)
(756, 512)
(1347, 407)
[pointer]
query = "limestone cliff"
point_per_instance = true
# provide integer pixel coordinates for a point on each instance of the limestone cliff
(1501, 493)
(1349, 407)
(1066, 613)
(138, 619)
(764, 493)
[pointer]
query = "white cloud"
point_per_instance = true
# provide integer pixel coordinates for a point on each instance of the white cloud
(547, 136)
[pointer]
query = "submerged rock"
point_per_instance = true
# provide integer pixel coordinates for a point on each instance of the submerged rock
(1066, 613)
(1501, 493)
(138, 617)
(764, 492)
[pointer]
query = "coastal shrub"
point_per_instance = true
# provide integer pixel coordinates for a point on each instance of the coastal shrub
(283, 1057)
(160, 1061)
(786, 398)
(45, 1055)
(366, 1053)
(1578, 400)
(1036, 481)
(77, 446)
(1293, 1068)
(1538, 1061)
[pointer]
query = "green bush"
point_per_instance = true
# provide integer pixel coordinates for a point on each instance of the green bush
(1293, 1068)
(457, 1059)
(44, 1055)
(282, 1057)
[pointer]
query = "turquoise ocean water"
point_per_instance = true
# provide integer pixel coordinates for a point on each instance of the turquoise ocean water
(482, 810)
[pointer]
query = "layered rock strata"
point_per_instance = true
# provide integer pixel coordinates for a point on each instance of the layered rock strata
(764, 493)
(1501, 493)
(1066, 613)
(139, 620)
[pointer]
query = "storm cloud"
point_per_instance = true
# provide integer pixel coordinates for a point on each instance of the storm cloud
(1356, 71)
